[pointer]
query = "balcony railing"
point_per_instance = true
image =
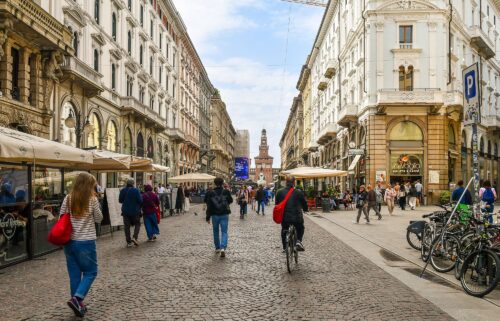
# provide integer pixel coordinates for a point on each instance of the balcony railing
(331, 69)
(491, 122)
(405, 46)
(480, 40)
(86, 76)
(130, 104)
(347, 115)
(328, 132)
(420, 96)
(323, 84)
(175, 134)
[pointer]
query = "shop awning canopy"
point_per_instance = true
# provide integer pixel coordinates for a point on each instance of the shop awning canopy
(151, 168)
(16, 146)
(313, 172)
(193, 178)
(105, 160)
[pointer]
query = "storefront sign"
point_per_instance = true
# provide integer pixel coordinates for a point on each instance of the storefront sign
(8, 224)
(406, 165)
(353, 152)
(380, 176)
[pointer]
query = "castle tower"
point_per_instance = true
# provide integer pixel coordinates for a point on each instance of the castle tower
(264, 162)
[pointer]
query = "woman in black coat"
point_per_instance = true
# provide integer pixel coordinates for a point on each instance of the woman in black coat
(179, 200)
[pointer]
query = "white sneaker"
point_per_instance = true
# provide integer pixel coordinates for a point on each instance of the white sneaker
(222, 253)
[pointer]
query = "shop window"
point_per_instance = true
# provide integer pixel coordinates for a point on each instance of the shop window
(127, 142)
(94, 136)
(14, 213)
(112, 136)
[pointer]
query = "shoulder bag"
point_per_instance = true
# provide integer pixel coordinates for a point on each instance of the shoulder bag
(279, 210)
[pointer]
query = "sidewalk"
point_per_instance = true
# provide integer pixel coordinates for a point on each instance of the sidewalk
(384, 243)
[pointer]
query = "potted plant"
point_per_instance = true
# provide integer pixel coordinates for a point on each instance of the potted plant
(310, 195)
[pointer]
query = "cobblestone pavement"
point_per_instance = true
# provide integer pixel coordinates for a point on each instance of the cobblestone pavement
(180, 278)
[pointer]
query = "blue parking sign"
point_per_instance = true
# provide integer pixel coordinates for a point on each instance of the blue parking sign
(470, 85)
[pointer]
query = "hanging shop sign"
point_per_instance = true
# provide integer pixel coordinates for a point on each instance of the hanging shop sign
(406, 165)
(353, 152)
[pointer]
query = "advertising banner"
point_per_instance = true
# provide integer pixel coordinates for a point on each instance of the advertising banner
(241, 168)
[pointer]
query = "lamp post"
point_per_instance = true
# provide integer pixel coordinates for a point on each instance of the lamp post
(74, 120)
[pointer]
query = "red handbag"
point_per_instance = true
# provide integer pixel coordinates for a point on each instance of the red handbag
(279, 210)
(158, 214)
(60, 234)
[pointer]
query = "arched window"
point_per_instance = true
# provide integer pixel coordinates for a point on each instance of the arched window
(127, 142)
(94, 137)
(96, 60)
(68, 134)
(113, 76)
(97, 5)
(140, 145)
(451, 137)
(113, 26)
(129, 42)
(112, 136)
(75, 43)
(406, 131)
(406, 78)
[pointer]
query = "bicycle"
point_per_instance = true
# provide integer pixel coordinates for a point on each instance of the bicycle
(291, 251)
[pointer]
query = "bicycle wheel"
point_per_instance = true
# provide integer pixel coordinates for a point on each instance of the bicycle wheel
(414, 239)
(444, 253)
(295, 251)
(480, 273)
(426, 243)
(289, 252)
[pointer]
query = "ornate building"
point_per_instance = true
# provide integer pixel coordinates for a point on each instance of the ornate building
(291, 144)
(222, 139)
(264, 162)
(385, 78)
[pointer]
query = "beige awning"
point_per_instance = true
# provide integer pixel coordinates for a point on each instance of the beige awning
(16, 146)
(151, 168)
(192, 177)
(313, 172)
(109, 161)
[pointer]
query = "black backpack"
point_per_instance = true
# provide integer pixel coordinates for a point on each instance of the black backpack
(219, 203)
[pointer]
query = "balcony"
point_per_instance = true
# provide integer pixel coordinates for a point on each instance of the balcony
(34, 23)
(419, 97)
(79, 72)
(193, 141)
(331, 69)
(481, 42)
(130, 105)
(348, 115)
(175, 134)
(328, 132)
(323, 84)
(491, 122)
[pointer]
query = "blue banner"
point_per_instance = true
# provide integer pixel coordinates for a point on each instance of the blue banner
(241, 168)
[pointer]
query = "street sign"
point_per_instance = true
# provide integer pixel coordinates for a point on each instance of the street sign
(353, 152)
(472, 115)
(471, 94)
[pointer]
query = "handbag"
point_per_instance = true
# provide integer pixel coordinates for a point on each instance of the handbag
(158, 214)
(60, 234)
(279, 210)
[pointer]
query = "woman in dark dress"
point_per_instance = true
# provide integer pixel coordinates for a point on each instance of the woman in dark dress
(179, 201)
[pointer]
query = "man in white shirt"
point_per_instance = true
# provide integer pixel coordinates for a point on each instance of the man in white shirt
(419, 187)
(161, 189)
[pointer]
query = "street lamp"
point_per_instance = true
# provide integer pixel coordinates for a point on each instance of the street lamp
(74, 120)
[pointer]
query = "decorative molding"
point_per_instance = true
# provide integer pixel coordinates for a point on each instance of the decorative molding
(98, 38)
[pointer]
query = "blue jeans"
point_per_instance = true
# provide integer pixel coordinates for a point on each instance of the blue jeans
(151, 225)
(490, 210)
(243, 208)
(261, 204)
(81, 260)
(220, 221)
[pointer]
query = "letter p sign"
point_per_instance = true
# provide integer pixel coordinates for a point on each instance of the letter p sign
(470, 85)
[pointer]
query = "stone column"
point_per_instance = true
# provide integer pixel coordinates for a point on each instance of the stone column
(24, 75)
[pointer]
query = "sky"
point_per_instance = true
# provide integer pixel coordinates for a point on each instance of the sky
(253, 51)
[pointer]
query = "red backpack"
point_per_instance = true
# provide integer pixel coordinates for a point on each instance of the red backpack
(279, 209)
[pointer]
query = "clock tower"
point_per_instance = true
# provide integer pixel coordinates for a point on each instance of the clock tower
(264, 162)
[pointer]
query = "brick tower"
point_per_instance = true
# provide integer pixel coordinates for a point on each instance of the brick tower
(264, 162)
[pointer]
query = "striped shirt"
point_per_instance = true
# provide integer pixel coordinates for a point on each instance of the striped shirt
(84, 228)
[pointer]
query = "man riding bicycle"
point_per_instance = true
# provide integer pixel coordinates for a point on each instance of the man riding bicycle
(293, 214)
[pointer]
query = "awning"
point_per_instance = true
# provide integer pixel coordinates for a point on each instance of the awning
(192, 177)
(151, 168)
(354, 162)
(105, 160)
(313, 172)
(16, 146)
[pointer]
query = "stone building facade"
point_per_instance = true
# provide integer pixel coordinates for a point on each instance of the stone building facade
(242, 144)
(222, 140)
(386, 79)
(291, 143)
(264, 162)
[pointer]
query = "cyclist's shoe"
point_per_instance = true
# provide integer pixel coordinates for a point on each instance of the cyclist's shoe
(299, 246)
(222, 253)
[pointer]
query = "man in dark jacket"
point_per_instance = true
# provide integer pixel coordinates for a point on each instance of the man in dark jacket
(467, 199)
(260, 196)
(294, 211)
(131, 201)
(218, 201)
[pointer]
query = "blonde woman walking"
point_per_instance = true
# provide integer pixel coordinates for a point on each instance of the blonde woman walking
(389, 198)
(80, 252)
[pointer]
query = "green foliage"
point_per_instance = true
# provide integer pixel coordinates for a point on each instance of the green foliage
(310, 193)
(444, 197)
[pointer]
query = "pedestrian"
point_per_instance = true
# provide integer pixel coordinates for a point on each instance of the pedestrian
(243, 197)
(488, 196)
(457, 193)
(413, 197)
(420, 192)
(362, 204)
(187, 199)
(131, 200)
(373, 201)
(81, 257)
(380, 196)
(407, 191)
(402, 197)
(253, 193)
(150, 203)
(179, 200)
(260, 196)
(389, 197)
(218, 201)
(397, 188)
